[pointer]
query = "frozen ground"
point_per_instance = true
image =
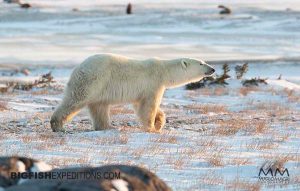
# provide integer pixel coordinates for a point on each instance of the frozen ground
(215, 138)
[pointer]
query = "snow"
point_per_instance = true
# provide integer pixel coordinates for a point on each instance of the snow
(199, 145)
(215, 138)
(284, 84)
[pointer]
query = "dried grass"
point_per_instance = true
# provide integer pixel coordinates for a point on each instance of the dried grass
(216, 159)
(273, 109)
(212, 178)
(28, 138)
(237, 124)
(40, 92)
(178, 163)
(172, 139)
(220, 91)
(244, 91)
(3, 105)
(239, 161)
(261, 145)
(260, 126)
(275, 161)
(116, 139)
(209, 91)
(138, 153)
(243, 185)
(292, 95)
(230, 126)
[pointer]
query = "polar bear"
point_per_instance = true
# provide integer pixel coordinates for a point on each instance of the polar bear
(106, 79)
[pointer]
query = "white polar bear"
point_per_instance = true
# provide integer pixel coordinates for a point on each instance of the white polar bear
(106, 79)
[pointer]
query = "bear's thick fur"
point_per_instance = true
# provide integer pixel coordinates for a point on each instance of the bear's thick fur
(106, 79)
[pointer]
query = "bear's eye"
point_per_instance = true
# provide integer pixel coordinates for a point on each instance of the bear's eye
(201, 64)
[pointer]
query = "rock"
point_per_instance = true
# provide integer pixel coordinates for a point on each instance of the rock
(25, 71)
(105, 178)
(25, 5)
(129, 9)
(12, 1)
(225, 10)
(17, 164)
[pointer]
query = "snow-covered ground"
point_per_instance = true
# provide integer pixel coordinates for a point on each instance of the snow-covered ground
(216, 138)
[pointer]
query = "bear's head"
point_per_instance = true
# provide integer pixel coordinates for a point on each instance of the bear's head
(196, 68)
(187, 70)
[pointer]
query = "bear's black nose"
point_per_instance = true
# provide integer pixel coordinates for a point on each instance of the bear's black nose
(210, 72)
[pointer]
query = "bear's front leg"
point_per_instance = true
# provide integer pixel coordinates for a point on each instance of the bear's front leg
(147, 111)
(65, 112)
(160, 120)
(100, 116)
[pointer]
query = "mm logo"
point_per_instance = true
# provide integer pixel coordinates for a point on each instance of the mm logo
(274, 176)
(272, 173)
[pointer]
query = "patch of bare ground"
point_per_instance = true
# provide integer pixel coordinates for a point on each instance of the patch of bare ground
(3, 105)
(207, 108)
(40, 92)
(238, 184)
(244, 91)
(208, 91)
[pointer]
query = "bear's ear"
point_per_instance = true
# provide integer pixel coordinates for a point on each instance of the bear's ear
(184, 64)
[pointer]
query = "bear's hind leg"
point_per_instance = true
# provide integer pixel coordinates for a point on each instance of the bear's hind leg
(100, 116)
(65, 112)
